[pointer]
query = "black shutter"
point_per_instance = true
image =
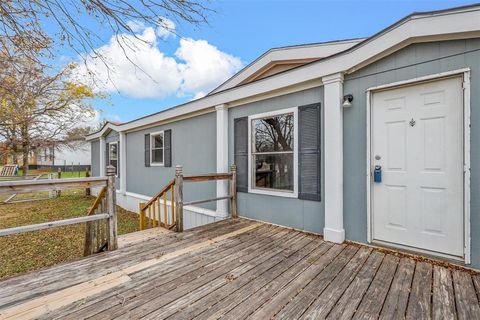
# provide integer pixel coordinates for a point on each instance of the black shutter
(167, 145)
(107, 155)
(240, 152)
(309, 165)
(147, 150)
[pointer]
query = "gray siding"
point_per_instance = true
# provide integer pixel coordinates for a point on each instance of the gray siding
(95, 157)
(295, 213)
(411, 62)
(193, 147)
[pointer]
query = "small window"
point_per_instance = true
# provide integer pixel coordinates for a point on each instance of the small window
(157, 148)
(273, 155)
(113, 154)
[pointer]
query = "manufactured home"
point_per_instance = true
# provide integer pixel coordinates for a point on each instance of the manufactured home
(373, 140)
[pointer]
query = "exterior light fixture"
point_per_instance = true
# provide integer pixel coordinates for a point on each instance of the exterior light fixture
(347, 101)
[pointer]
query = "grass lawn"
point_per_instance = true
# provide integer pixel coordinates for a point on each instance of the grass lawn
(34, 250)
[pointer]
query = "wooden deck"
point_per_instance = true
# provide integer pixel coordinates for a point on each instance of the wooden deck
(242, 269)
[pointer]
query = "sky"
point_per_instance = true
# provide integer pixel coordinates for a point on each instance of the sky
(188, 63)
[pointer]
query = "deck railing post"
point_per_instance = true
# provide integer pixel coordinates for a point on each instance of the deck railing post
(143, 217)
(59, 193)
(179, 197)
(111, 209)
(87, 175)
(233, 191)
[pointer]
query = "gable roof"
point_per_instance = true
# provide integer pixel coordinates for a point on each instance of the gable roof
(297, 54)
(456, 23)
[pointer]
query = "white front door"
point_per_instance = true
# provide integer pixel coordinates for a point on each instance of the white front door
(417, 139)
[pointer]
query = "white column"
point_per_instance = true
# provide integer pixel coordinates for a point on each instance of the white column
(102, 157)
(123, 162)
(222, 158)
(333, 150)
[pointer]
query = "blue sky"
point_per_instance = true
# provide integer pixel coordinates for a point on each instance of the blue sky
(238, 33)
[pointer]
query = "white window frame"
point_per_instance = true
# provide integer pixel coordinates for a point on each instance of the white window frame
(110, 156)
(251, 174)
(152, 135)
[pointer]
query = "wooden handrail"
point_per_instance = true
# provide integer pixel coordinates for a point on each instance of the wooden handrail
(165, 189)
(98, 200)
(207, 177)
(152, 206)
(28, 186)
(177, 204)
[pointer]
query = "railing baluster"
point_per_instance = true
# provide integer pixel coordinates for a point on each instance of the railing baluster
(165, 208)
(172, 204)
(150, 216)
(143, 217)
(154, 215)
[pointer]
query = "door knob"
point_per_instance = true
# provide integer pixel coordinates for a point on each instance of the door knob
(378, 157)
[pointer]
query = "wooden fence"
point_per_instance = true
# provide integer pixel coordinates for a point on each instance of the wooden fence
(101, 220)
(151, 213)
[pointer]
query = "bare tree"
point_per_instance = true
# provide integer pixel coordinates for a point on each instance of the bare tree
(22, 22)
(38, 107)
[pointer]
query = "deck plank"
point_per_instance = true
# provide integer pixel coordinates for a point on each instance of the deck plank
(165, 273)
(228, 271)
(260, 276)
(372, 302)
(465, 296)
(476, 282)
(443, 296)
(253, 295)
(66, 275)
(270, 302)
(395, 305)
(347, 305)
(320, 308)
(291, 248)
(419, 303)
(159, 296)
(297, 306)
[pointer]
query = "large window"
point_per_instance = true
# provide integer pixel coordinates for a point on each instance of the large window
(113, 155)
(157, 148)
(273, 153)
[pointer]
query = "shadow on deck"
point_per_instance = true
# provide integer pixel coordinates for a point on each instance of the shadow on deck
(239, 269)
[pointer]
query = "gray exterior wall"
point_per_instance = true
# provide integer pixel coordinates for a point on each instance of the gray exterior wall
(95, 157)
(295, 213)
(193, 146)
(411, 62)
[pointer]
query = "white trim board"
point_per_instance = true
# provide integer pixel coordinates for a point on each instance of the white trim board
(465, 73)
(272, 192)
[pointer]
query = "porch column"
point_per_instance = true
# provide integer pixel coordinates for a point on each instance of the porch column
(333, 144)
(222, 158)
(123, 162)
(102, 157)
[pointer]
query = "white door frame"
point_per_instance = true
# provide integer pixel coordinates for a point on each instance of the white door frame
(465, 72)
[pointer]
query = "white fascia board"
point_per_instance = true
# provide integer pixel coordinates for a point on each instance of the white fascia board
(427, 27)
(106, 128)
(310, 51)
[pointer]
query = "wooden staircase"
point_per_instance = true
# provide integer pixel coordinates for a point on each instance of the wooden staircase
(155, 212)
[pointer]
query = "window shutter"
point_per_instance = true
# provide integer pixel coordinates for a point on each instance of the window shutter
(240, 143)
(118, 159)
(107, 155)
(147, 150)
(167, 145)
(309, 165)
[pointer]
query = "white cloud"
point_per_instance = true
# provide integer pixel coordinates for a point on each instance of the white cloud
(166, 28)
(138, 68)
